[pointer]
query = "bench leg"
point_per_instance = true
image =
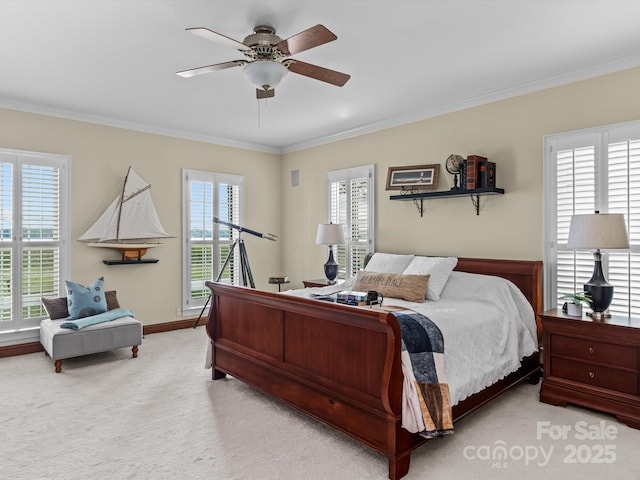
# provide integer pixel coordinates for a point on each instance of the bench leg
(58, 363)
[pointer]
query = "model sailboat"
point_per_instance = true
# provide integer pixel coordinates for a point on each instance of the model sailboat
(130, 224)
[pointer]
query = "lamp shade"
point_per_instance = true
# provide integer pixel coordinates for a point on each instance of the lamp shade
(265, 74)
(598, 231)
(330, 234)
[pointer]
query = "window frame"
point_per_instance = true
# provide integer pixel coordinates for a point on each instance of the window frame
(191, 305)
(19, 329)
(346, 270)
(600, 138)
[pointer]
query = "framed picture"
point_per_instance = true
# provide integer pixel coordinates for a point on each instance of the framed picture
(414, 177)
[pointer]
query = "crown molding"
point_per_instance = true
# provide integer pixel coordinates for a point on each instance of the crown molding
(30, 107)
(620, 64)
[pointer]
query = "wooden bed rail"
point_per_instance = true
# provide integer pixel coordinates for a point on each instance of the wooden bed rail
(336, 363)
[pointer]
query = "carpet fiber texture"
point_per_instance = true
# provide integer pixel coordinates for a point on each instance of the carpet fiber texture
(160, 416)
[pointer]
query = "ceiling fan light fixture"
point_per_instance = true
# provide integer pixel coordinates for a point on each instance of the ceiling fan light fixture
(265, 74)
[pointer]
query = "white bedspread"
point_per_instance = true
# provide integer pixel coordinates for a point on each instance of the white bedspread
(487, 323)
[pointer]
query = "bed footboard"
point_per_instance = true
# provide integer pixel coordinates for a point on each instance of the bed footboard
(339, 364)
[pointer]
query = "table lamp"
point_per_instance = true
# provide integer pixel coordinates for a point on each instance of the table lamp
(598, 231)
(330, 234)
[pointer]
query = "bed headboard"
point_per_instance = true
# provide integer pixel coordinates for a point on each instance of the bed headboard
(525, 274)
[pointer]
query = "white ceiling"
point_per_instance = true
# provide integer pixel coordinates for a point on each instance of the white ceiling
(114, 61)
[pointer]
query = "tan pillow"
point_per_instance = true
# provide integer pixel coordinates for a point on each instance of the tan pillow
(408, 287)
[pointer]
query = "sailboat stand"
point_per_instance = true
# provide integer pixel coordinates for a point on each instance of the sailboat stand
(131, 253)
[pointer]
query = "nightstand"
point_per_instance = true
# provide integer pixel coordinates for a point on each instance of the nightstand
(279, 281)
(320, 282)
(592, 363)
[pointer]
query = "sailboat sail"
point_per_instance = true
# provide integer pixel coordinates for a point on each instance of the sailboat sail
(130, 220)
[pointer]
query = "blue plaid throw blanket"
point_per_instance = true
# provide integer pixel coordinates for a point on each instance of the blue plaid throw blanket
(423, 341)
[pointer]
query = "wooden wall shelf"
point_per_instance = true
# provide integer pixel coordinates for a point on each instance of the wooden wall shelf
(475, 195)
(130, 262)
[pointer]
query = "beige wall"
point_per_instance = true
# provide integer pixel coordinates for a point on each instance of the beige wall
(100, 157)
(508, 132)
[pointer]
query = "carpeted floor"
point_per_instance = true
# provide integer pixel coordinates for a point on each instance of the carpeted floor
(159, 416)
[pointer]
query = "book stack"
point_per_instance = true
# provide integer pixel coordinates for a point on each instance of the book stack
(352, 298)
(486, 177)
(478, 172)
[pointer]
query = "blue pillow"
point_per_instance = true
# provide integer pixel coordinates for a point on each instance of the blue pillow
(85, 301)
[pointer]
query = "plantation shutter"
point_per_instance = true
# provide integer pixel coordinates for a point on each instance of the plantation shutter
(351, 205)
(585, 172)
(624, 197)
(338, 201)
(6, 253)
(200, 264)
(41, 237)
(359, 225)
(228, 211)
(575, 195)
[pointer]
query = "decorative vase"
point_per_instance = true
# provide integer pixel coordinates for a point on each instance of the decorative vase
(574, 309)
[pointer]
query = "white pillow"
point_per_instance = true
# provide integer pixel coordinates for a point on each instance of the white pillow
(439, 268)
(388, 263)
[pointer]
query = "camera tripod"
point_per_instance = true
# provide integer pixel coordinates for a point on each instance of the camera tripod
(245, 268)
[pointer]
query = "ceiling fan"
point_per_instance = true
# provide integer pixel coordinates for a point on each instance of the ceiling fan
(268, 57)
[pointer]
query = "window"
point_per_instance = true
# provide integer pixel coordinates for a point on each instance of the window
(209, 195)
(596, 169)
(351, 204)
(34, 234)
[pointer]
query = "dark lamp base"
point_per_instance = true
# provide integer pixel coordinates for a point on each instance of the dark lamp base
(600, 291)
(331, 268)
(602, 295)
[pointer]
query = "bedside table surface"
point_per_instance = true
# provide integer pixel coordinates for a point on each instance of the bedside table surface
(319, 282)
(616, 320)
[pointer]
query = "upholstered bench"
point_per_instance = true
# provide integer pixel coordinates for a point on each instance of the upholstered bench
(60, 343)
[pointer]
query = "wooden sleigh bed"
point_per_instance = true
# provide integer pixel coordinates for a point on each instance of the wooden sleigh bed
(341, 364)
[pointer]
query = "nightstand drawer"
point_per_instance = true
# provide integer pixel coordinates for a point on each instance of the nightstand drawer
(610, 378)
(595, 351)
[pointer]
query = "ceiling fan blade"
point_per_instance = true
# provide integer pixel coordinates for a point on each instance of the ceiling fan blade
(262, 93)
(319, 73)
(218, 37)
(210, 68)
(312, 37)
